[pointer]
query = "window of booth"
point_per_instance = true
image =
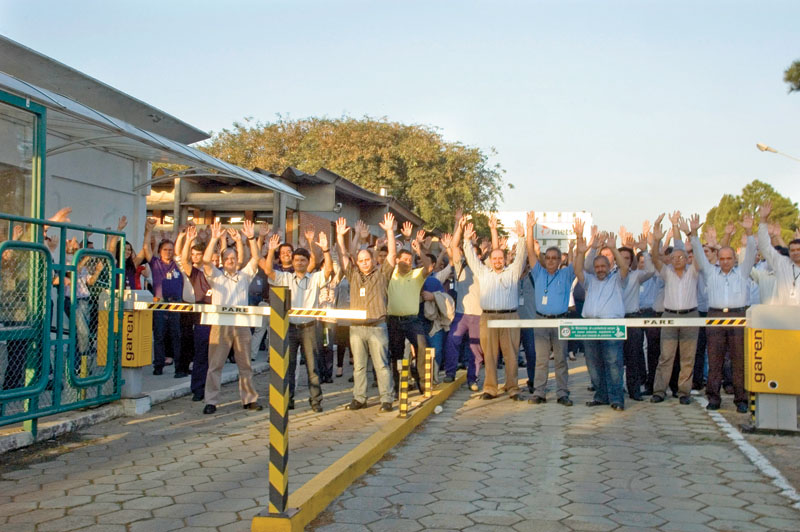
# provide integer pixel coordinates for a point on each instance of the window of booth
(22, 153)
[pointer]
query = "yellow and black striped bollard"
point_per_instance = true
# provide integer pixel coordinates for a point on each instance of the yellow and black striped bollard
(430, 352)
(280, 303)
(404, 389)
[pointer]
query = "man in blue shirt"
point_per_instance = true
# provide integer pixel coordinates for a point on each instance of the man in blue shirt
(604, 288)
(552, 287)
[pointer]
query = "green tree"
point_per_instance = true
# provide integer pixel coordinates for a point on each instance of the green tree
(792, 76)
(418, 167)
(732, 208)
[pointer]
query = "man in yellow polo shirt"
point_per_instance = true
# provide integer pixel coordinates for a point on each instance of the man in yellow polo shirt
(403, 320)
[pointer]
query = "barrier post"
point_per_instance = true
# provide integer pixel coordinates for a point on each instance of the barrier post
(280, 303)
(430, 352)
(404, 389)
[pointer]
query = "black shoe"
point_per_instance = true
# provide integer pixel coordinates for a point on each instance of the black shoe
(712, 406)
(674, 393)
(198, 397)
(487, 396)
(636, 397)
(448, 378)
(180, 374)
(385, 407)
(522, 363)
(566, 401)
(516, 397)
(590, 388)
(617, 406)
(355, 405)
(350, 379)
(316, 407)
(685, 400)
(209, 409)
(656, 399)
(741, 408)
(728, 389)
(462, 366)
(291, 404)
(302, 361)
(697, 386)
(253, 406)
(595, 403)
(537, 400)
(158, 371)
(647, 391)
(530, 386)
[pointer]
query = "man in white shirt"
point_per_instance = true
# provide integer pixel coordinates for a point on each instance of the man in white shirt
(787, 269)
(728, 293)
(499, 300)
(680, 301)
(304, 287)
(229, 287)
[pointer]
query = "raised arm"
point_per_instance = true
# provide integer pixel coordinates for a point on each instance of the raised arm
(520, 257)
(772, 257)
(327, 261)
(265, 263)
(530, 241)
(217, 232)
(580, 251)
(148, 232)
(493, 231)
(469, 252)
(388, 227)
(730, 228)
(623, 268)
(249, 232)
(458, 232)
(656, 245)
(700, 261)
(186, 263)
(341, 230)
(649, 270)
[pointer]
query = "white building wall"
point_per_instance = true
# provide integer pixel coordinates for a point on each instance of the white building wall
(99, 187)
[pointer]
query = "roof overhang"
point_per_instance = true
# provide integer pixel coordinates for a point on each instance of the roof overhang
(45, 72)
(81, 127)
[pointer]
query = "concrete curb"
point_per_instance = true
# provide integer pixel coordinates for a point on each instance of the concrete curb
(76, 420)
(310, 499)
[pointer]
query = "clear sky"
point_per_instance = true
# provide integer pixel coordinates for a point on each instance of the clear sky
(622, 108)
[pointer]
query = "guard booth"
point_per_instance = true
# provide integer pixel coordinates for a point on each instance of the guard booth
(772, 365)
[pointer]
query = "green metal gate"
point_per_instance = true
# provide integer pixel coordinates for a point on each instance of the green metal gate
(57, 299)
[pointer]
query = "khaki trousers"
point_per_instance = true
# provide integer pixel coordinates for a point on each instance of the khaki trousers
(495, 341)
(219, 345)
(671, 339)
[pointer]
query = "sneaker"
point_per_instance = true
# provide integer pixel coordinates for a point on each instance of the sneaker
(355, 405)
(209, 409)
(571, 356)
(537, 400)
(198, 397)
(566, 401)
(385, 407)
(448, 378)
(474, 387)
(253, 406)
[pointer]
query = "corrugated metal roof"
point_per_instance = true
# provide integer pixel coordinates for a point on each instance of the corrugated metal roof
(85, 127)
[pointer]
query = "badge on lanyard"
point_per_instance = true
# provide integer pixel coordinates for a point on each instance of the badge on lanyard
(544, 300)
(362, 292)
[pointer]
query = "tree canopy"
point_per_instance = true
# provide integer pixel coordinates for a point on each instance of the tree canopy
(792, 76)
(732, 208)
(418, 167)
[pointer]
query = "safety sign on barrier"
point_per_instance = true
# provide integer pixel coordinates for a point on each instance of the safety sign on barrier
(592, 332)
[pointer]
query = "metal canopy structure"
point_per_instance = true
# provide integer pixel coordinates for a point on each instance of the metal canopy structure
(81, 127)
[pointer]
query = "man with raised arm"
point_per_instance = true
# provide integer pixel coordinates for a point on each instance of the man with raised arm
(728, 292)
(604, 287)
(787, 269)
(304, 287)
(369, 286)
(229, 288)
(680, 301)
(499, 298)
(552, 287)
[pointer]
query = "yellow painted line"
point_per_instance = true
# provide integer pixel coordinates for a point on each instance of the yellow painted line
(310, 499)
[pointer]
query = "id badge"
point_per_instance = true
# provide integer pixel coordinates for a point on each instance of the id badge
(362, 292)
(544, 300)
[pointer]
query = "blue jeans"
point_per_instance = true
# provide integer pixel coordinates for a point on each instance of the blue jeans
(437, 343)
(464, 327)
(370, 341)
(526, 337)
(604, 360)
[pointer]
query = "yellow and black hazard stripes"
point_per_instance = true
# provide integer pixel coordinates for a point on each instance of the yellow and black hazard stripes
(404, 389)
(280, 302)
(179, 307)
(753, 408)
(430, 353)
(727, 321)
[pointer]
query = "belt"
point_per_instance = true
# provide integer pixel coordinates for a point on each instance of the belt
(687, 311)
(303, 325)
(632, 314)
(552, 316)
(500, 311)
(727, 309)
(407, 317)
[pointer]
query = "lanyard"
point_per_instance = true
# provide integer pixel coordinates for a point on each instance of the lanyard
(549, 282)
(795, 275)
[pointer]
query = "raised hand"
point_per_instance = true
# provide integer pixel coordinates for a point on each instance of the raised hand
(641, 244)
(191, 234)
(19, 230)
(765, 210)
(263, 229)
(459, 214)
(658, 234)
(694, 223)
(407, 229)
(248, 229)
(675, 217)
(216, 230)
(446, 240)
(611, 240)
(380, 242)
(122, 223)
(308, 234)
(388, 223)
(659, 219)
(363, 231)
(519, 228)
(469, 230)
(62, 215)
(323, 241)
(493, 221)
(683, 225)
(149, 224)
(274, 243)
(669, 235)
(747, 223)
(646, 227)
(420, 235)
(426, 243)
(578, 226)
(580, 244)
(341, 227)
(628, 241)
(711, 235)
(415, 247)
(730, 227)
(530, 219)
(234, 234)
(502, 242)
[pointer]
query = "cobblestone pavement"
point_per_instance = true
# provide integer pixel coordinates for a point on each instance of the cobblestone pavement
(176, 469)
(499, 465)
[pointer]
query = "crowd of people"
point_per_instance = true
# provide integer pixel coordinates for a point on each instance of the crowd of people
(415, 298)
